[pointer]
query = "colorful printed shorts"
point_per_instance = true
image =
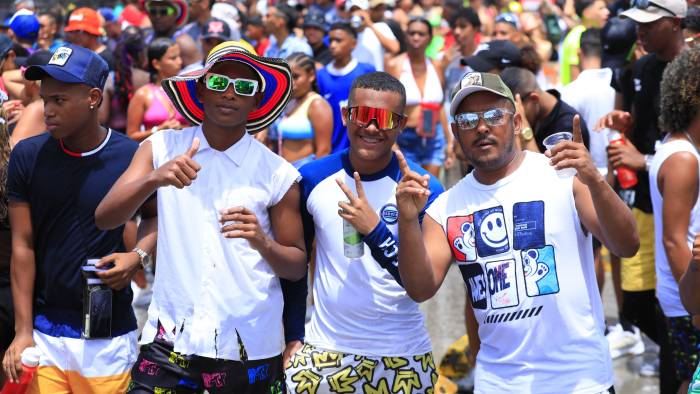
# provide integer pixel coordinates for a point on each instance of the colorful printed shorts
(160, 370)
(684, 339)
(316, 371)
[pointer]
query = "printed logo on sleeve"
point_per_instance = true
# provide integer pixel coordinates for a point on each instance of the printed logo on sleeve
(460, 234)
(491, 234)
(528, 225)
(475, 279)
(540, 270)
(502, 283)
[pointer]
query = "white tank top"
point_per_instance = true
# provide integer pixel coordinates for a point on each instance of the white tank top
(528, 267)
(432, 91)
(666, 285)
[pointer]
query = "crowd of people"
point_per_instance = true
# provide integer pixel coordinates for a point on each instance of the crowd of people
(252, 196)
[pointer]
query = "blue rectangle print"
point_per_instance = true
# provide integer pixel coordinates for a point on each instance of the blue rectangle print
(528, 225)
(491, 232)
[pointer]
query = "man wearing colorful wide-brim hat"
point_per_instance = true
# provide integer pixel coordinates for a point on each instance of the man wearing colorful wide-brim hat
(229, 230)
(273, 78)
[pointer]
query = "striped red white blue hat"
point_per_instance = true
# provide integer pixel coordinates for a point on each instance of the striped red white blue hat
(275, 76)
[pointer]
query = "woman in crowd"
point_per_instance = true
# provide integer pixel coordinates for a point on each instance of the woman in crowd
(426, 136)
(303, 132)
(150, 110)
(127, 77)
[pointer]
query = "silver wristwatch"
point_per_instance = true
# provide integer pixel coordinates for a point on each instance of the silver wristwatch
(145, 257)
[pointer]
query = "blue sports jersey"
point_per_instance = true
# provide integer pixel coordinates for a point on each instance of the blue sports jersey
(63, 191)
(348, 291)
(335, 89)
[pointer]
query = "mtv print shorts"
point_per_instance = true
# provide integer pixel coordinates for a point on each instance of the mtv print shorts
(159, 369)
(316, 371)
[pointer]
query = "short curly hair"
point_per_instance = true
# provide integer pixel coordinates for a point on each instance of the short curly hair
(680, 92)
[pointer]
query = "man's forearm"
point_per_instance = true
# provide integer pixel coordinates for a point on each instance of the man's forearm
(288, 262)
(23, 272)
(616, 220)
(414, 267)
(122, 202)
(390, 45)
(689, 287)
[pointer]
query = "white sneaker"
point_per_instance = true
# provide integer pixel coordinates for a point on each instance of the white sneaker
(623, 343)
(649, 368)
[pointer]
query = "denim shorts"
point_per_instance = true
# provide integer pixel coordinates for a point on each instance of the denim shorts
(424, 151)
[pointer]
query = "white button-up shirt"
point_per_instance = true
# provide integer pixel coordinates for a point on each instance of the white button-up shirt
(208, 287)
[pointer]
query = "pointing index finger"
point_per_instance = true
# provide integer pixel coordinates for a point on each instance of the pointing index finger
(577, 129)
(403, 165)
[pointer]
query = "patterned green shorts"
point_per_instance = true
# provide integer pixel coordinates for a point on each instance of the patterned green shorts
(317, 371)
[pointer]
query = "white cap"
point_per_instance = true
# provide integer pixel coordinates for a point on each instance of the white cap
(361, 4)
(655, 10)
(31, 356)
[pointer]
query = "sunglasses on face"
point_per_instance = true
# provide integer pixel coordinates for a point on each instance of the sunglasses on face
(161, 10)
(492, 117)
(242, 86)
(644, 4)
(385, 119)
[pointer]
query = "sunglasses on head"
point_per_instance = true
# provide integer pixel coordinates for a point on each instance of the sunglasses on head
(161, 10)
(492, 117)
(385, 119)
(644, 4)
(242, 86)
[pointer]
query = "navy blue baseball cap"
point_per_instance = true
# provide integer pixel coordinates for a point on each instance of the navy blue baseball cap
(72, 64)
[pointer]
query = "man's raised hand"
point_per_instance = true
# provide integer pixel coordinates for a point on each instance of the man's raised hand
(180, 171)
(412, 192)
(357, 210)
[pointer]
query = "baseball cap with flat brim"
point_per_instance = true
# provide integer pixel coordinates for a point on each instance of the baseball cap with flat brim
(474, 82)
(497, 54)
(647, 11)
(72, 64)
(275, 84)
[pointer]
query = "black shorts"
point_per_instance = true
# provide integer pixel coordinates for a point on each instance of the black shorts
(7, 318)
(159, 369)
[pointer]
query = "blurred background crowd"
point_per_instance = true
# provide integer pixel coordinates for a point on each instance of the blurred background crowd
(559, 58)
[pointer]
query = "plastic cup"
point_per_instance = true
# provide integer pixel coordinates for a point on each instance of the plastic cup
(551, 140)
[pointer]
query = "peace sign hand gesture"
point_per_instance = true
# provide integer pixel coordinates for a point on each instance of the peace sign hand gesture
(412, 192)
(357, 211)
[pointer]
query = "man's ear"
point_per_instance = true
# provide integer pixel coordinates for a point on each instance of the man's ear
(199, 86)
(517, 123)
(344, 115)
(95, 98)
(258, 99)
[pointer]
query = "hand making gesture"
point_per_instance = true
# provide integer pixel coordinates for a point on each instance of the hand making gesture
(180, 171)
(245, 226)
(412, 192)
(357, 210)
(573, 154)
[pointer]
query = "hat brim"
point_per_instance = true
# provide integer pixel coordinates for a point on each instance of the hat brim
(478, 63)
(644, 16)
(467, 91)
(95, 31)
(314, 25)
(35, 73)
(276, 81)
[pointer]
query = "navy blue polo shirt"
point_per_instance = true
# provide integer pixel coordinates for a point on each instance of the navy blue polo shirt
(63, 189)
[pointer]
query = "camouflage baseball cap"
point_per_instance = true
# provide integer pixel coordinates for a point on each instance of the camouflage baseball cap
(479, 82)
